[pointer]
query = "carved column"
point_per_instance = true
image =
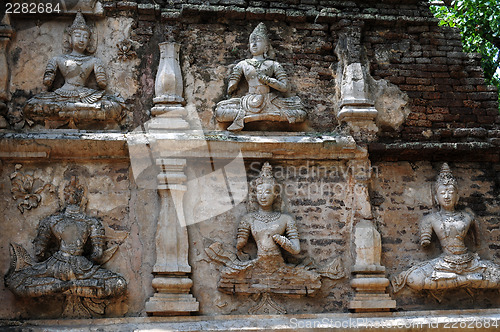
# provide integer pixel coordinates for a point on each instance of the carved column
(171, 280)
(6, 33)
(355, 107)
(369, 279)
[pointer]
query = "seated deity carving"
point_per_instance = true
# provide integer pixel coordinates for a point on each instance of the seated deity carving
(267, 82)
(75, 102)
(70, 248)
(456, 267)
(272, 231)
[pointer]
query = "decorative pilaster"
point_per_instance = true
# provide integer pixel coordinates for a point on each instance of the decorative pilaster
(6, 33)
(369, 279)
(171, 281)
(169, 111)
(355, 107)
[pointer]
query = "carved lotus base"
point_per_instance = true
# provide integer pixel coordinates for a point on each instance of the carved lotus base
(270, 108)
(271, 276)
(106, 114)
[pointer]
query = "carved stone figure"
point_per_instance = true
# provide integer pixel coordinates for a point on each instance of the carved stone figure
(70, 247)
(74, 101)
(266, 80)
(456, 267)
(272, 231)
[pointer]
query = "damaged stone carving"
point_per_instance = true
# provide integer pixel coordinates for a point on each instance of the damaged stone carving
(69, 248)
(6, 34)
(126, 50)
(272, 231)
(355, 108)
(457, 267)
(26, 190)
(74, 102)
(266, 80)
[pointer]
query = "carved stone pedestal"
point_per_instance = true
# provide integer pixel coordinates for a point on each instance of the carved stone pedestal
(360, 119)
(171, 283)
(356, 110)
(172, 297)
(369, 282)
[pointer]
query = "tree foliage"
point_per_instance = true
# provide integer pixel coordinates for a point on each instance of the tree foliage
(479, 25)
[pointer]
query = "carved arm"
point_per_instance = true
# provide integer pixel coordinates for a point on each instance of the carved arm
(97, 239)
(290, 244)
(50, 72)
(42, 239)
(234, 79)
(425, 231)
(243, 234)
(100, 74)
(280, 82)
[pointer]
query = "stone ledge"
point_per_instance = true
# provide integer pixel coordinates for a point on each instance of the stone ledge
(252, 145)
(434, 151)
(62, 144)
(74, 144)
(438, 320)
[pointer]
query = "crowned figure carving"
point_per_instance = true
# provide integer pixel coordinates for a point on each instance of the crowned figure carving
(75, 102)
(69, 248)
(456, 267)
(272, 231)
(268, 86)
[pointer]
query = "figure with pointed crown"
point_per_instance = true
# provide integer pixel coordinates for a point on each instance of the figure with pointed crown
(273, 232)
(267, 82)
(75, 102)
(457, 267)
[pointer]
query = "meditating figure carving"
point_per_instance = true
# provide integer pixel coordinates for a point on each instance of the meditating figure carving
(266, 80)
(70, 247)
(272, 231)
(456, 267)
(74, 100)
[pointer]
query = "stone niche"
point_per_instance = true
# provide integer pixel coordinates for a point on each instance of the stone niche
(402, 196)
(111, 197)
(35, 44)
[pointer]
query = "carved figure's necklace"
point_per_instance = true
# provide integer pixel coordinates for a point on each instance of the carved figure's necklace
(450, 218)
(256, 63)
(267, 218)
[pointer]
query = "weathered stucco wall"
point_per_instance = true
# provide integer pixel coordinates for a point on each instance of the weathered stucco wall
(426, 90)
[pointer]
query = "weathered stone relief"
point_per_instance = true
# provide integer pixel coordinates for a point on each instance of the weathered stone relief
(126, 50)
(26, 190)
(456, 267)
(74, 103)
(6, 33)
(369, 279)
(272, 231)
(365, 104)
(266, 80)
(70, 248)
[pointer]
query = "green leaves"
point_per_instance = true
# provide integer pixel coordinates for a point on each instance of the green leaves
(479, 25)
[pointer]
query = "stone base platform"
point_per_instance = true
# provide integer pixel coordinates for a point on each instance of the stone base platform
(443, 320)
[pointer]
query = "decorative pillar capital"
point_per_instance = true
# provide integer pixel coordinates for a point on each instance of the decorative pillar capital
(169, 112)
